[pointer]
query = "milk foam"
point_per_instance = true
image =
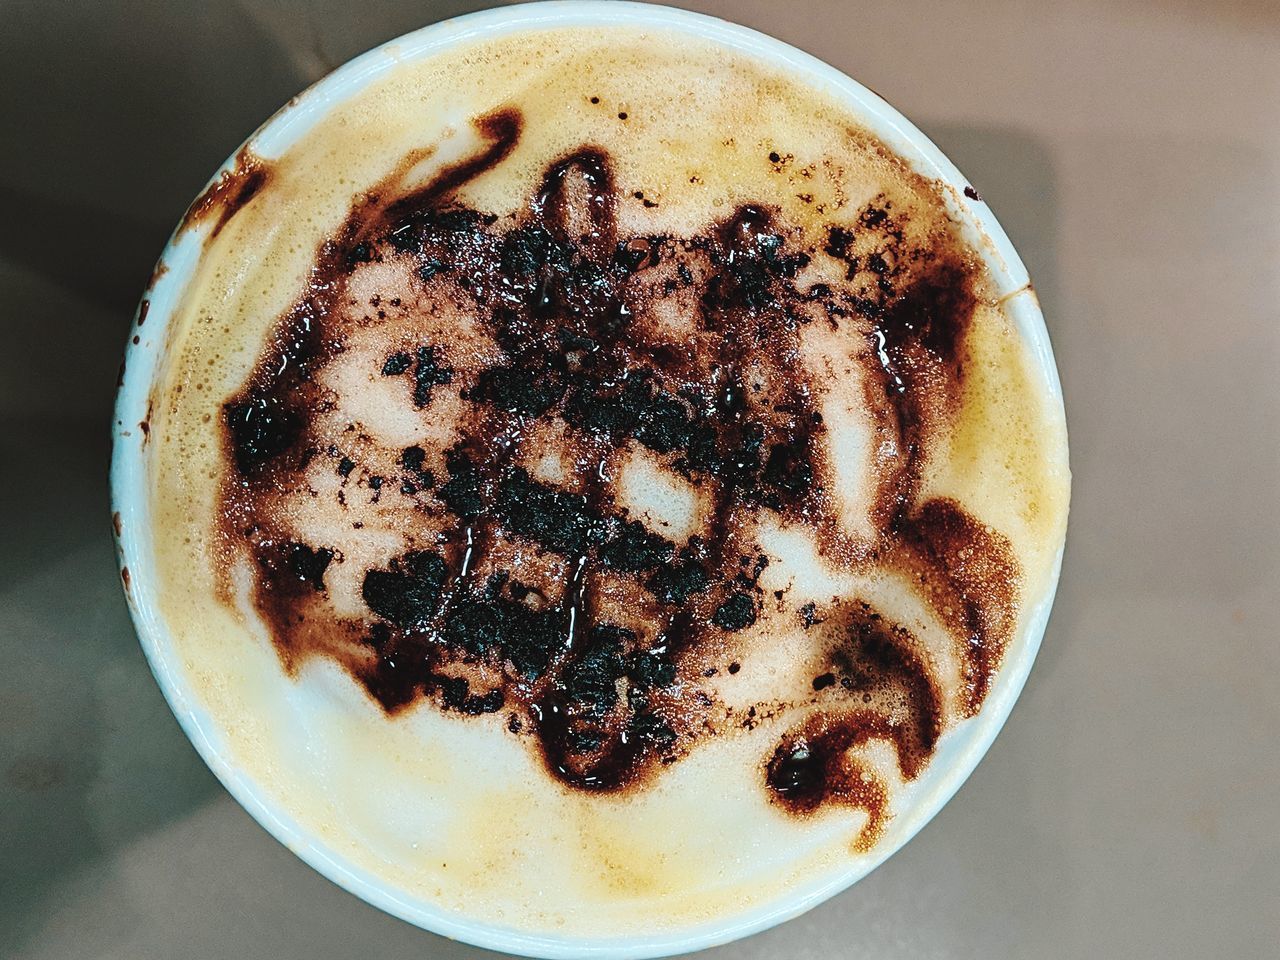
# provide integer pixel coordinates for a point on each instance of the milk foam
(457, 811)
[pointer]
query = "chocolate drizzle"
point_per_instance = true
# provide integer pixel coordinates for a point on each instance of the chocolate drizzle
(536, 590)
(220, 202)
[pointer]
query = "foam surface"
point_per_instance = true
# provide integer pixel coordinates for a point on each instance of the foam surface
(963, 491)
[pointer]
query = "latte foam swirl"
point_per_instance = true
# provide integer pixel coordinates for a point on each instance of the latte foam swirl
(533, 360)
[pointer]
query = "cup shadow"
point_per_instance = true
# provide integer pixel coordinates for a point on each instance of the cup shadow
(92, 757)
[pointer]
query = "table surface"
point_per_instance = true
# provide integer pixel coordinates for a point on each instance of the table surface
(1131, 149)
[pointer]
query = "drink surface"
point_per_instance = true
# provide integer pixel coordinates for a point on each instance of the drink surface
(592, 475)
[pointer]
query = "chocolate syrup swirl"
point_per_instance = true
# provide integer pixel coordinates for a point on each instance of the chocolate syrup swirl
(537, 592)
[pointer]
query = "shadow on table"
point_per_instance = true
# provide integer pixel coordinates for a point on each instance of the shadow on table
(118, 113)
(90, 756)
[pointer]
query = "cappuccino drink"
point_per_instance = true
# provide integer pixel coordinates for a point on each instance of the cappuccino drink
(590, 476)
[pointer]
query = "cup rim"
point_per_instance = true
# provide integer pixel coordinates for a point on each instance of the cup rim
(129, 467)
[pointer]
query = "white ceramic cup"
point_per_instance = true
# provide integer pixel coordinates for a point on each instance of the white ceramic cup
(958, 753)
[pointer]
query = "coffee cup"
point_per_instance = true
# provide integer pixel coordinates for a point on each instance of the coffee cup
(187, 683)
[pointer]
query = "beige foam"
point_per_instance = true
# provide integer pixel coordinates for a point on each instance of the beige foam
(457, 811)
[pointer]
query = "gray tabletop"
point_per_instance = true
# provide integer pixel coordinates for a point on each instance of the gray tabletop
(1131, 148)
